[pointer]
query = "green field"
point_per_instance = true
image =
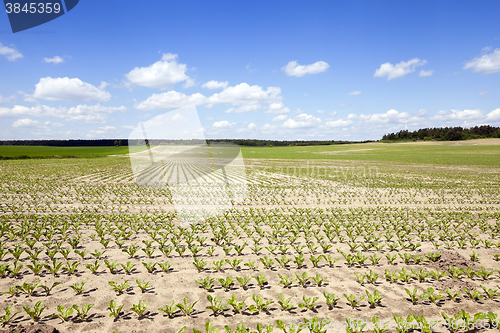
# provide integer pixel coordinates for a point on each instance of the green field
(444, 153)
(58, 152)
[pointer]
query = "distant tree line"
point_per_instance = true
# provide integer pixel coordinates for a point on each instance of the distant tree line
(445, 134)
(155, 142)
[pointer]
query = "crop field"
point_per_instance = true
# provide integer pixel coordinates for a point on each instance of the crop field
(358, 238)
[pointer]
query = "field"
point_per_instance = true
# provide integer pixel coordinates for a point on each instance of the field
(402, 234)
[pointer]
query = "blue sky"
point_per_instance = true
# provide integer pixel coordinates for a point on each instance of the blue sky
(286, 70)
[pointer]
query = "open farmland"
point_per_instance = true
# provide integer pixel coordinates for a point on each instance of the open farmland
(398, 232)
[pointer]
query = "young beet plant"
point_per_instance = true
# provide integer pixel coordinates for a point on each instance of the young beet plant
(114, 309)
(139, 308)
(36, 312)
(83, 311)
(215, 305)
(8, 316)
(186, 307)
(237, 305)
(63, 313)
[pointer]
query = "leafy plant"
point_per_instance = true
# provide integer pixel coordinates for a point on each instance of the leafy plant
(331, 300)
(207, 283)
(114, 309)
(36, 312)
(186, 307)
(71, 267)
(63, 314)
(260, 304)
(284, 303)
(235, 263)
(431, 296)
(119, 288)
(352, 301)
(139, 308)
(261, 280)
(238, 306)
(303, 278)
(374, 299)
(215, 305)
(27, 288)
(170, 309)
(244, 281)
(319, 280)
(143, 285)
(48, 289)
(78, 287)
(8, 316)
(309, 302)
(82, 313)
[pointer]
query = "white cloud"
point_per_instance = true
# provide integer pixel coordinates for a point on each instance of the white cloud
(391, 116)
(171, 100)
(213, 85)
(457, 115)
(103, 132)
(281, 117)
(9, 52)
(80, 113)
(302, 121)
(426, 73)
(252, 126)
(162, 74)
(64, 88)
(320, 111)
(355, 93)
(294, 69)
(487, 64)
(277, 107)
(244, 94)
(244, 108)
(398, 70)
(483, 93)
(25, 122)
(338, 123)
(103, 85)
(493, 115)
(54, 60)
(6, 99)
(223, 124)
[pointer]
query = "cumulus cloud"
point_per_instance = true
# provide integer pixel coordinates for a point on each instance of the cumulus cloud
(488, 63)
(245, 108)
(244, 94)
(213, 85)
(9, 52)
(82, 113)
(103, 132)
(171, 100)
(162, 74)
(303, 120)
(223, 124)
(294, 69)
(398, 70)
(338, 123)
(281, 117)
(25, 122)
(391, 116)
(458, 115)
(355, 93)
(493, 115)
(251, 126)
(54, 60)
(277, 107)
(426, 73)
(64, 88)
(6, 99)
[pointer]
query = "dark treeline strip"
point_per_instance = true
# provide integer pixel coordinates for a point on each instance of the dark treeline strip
(446, 134)
(154, 142)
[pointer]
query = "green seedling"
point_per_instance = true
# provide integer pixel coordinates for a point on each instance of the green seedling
(431, 296)
(16, 269)
(354, 326)
(238, 306)
(150, 266)
(63, 314)
(490, 293)
(165, 267)
(54, 269)
(374, 299)
(308, 302)
(111, 265)
(139, 308)
(8, 316)
(36, 312)
(452, 295)
(186, 307)
(286, 281)
(413, 295)
(226, 283)
(131, 251)
(330, 299)
(97, 254)
(128, 267)
(114, 309)
(36, 267)
(71, 267)
(235, 263)
(93, 267)
(303, 278)
(244, 281)
(169, 310)
(352, 301)
(283, 261)
(218, 265)
(207, 283)
(251, 265)
(82, 313)
(199, 264)
(215, 305)
(284, 303)
(119, 288)
(319, 280)
(437, 275)
(260, 305)
(299, 260)
(473, 294)
(142, 285)
(267, 262)
(315, 260)
(261, 280)
(27, 288)
(78, 287)
(484, 273)
(48, 289)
